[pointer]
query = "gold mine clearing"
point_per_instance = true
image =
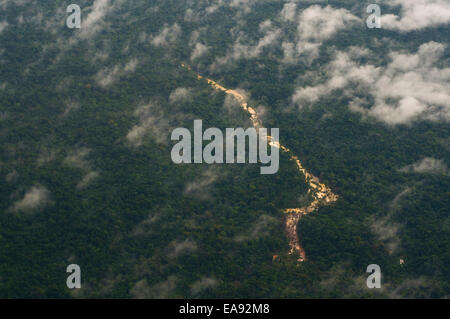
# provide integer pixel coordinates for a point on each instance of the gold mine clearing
(321, 193)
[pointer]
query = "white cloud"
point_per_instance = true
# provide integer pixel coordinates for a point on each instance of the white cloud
(162, 290)
(183, 247)
(152, 120)
(265, 25)
(427, 165)
(199, 51)
(318, 24)
(99, 10)
(244, 51)
(131, 66)
(95, 21)
(420, 88)
(37, 197)
(199, 188)
(180, 95)
(244, 6)
(385, 229)
(270, 38)
(203, 284)
(211, 9)
(289, 53)
(87, 179)
(108, 76)
(289, 11)
(261, 228)
(168, 35)
(417, 14)
(77, 158)
(411, 87)
(341, 72)
(70, 106)
(143, 227)
(189, 15)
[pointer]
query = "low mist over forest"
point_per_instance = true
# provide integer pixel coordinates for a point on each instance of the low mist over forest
(87, 178)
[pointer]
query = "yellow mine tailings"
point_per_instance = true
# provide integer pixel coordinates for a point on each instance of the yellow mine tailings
(321, 193)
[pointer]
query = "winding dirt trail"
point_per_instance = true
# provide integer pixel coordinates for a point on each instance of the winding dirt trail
(321, 194)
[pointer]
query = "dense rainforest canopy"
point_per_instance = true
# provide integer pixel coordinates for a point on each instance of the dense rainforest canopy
(87, 178)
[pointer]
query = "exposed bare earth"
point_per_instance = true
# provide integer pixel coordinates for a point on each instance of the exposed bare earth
(321, 194)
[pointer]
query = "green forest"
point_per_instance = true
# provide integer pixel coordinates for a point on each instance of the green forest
(87, 178)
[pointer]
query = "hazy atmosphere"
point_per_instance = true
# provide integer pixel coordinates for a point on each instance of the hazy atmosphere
(224, 149)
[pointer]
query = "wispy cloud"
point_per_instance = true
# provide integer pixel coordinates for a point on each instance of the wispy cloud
(87, 179)
(167, 36)
(411, 87)
(78, 159)
(427, 165)
(96, 20)
(161, 290)
(199, 51)
(289, 12)
(241, 50)
(386, 230)
(200, 187)
(108, 76)
(417, 14)
(143, 227)
(180, 95)
(151, 120)
(261, 228)
(317, 24)
(183, 247)
(35, 198)
(203, 284)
